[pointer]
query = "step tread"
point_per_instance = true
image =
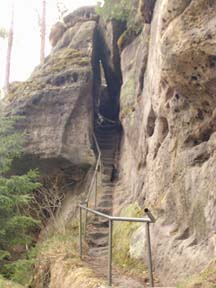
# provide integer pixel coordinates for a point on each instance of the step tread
(99, 242)
(105, 203)
(98, 251)
(97, 234)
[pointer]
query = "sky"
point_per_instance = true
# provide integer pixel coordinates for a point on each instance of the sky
(26, 48)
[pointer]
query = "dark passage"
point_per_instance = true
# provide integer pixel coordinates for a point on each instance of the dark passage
(107, 73)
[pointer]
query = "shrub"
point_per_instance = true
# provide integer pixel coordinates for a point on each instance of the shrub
(125, 11)
(120, 10)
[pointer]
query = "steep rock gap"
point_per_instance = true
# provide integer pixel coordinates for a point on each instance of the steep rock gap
(107, 71)
(106, 92)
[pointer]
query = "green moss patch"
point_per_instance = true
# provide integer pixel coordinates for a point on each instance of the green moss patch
(58, 263)
(198, 219)
(122, 233)
(128, 102)
(60, 61)
(129, 35)
(206, 279)
(8, 284)
(64, 59)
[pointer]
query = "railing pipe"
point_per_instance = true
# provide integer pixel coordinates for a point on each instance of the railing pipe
(92, 183)
(94, 212)
(80, 232)
(130, 219)
(95, 196)
(113, 218)
(110, 253)
(98, 164)
(149, 254)
(86, 220)
(148, 220)
(149, 214)
(99, 156)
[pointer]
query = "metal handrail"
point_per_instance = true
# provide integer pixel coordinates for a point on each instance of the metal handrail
(150, 219)
(94, 177)
(116, 218)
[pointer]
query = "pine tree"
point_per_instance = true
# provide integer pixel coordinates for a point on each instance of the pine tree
(15, 192)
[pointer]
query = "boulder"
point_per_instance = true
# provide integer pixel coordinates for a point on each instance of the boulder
(56, 102)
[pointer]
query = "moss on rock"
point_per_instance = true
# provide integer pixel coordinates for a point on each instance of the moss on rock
(129, 35)
(60, 61)
(122, 234)
(8, 284)
(206, 279)
(59, 265)
(128, 100)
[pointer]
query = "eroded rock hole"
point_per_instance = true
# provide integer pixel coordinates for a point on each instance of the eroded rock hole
(75, 77)
(212, 61)
(59, 81)
(151, 123)
(194, 78)
(199, 137)
(206, 135)
(62, 80)
(164, 127)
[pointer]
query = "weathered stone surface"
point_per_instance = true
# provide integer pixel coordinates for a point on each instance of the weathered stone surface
(81, 14)
(133, 63)
(146, 8)
(167, 157)
(56, 102)
(56, 33)
(138, 244)
(168, 104)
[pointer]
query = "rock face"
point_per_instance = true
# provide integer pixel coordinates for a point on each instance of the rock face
(167, 110)
(168, 149)
(57, 100)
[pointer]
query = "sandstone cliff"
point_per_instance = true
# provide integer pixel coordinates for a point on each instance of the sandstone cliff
(56, 102)
(166, 106)
(168, 148)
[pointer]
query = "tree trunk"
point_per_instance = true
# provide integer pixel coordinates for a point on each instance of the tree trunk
(9, 51)
(43, 32)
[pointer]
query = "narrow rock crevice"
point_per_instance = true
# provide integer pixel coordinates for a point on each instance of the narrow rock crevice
(107, 129)
(163, 130)
(107, 71)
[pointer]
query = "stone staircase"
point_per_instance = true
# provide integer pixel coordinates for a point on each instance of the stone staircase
(107, 138)
(97, 231)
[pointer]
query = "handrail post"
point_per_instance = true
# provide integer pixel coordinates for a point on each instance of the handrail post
(149, 214)
(111, 219)
(149, 255)
(100, 171)
(110, 253)
(80, 232)
(86, 220)
(95, 200)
